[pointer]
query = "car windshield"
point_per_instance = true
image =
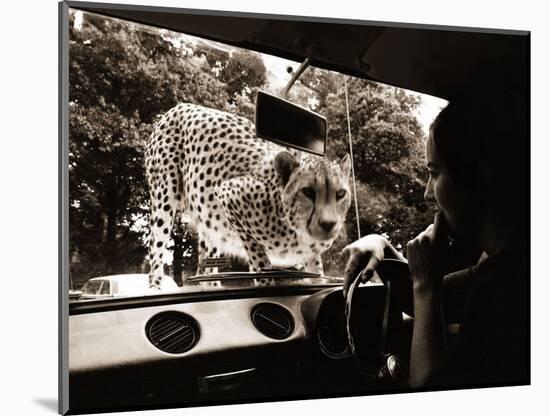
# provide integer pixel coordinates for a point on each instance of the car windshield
(92, 287)
(125, 76)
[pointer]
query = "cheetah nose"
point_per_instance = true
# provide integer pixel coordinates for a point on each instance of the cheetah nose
(327, 225)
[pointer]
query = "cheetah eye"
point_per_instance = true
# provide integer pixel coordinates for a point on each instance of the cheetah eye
(340, 193)
(309, 192)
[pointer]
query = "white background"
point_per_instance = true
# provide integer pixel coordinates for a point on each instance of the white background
(29, 195)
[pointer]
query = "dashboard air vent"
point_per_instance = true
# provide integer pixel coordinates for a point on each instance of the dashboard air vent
(172, 332)
(272, 320)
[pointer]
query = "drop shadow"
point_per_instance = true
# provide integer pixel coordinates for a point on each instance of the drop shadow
(49, 404)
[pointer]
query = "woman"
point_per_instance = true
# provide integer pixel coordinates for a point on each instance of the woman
(476, 155)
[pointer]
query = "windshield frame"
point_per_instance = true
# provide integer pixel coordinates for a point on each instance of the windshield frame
(251, 275)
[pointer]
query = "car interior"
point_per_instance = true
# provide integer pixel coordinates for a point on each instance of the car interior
(283, 342)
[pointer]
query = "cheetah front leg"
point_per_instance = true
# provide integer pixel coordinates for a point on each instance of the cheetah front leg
(234, 195)
(257, 260)
(314, 264)
(206, 251)
(255, 252)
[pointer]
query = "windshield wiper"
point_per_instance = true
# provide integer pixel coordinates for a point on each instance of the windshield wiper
(289, 270)
(275, 273)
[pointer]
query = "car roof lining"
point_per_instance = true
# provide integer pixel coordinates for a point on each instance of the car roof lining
(435, 60)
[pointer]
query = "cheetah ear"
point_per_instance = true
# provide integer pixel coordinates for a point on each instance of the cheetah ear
(285, 163)
(345, 164)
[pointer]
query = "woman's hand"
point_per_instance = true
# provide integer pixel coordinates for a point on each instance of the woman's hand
(427, 255)
(364, 254)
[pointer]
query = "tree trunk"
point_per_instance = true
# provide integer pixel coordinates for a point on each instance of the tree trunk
(111, 249)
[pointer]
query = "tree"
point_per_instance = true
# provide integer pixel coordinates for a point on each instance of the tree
(106, 195)
(321, 83)
(122, 77)
(243, 74)
(388, 148)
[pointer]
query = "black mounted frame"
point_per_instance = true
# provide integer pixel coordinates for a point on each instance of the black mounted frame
(367, 42)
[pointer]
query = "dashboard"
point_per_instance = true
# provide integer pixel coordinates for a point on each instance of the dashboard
(210, 348)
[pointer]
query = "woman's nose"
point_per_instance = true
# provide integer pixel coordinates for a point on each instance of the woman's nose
(429, 193)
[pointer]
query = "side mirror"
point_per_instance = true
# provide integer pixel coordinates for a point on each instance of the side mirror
(288, 124)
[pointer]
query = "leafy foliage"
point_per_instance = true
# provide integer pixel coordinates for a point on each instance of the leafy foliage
(388, 153)
(121, 79)
(243, 73)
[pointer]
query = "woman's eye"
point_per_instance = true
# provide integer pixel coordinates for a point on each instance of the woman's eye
(309, 192)
(340, 193)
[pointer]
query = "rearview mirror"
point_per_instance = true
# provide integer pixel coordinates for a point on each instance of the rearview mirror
(288, 124)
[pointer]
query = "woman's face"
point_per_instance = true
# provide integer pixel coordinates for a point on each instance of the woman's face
(460, 208)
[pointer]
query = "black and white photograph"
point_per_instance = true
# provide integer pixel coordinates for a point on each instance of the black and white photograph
(264, 208)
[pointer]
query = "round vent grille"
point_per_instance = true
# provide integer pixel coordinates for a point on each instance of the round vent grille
(172, 332)
(272, 320)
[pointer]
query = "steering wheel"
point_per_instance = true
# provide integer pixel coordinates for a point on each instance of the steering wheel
(384, 356)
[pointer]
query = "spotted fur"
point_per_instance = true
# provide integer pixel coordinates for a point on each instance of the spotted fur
(245, 196)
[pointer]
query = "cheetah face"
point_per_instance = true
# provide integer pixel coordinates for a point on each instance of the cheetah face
(316, 194)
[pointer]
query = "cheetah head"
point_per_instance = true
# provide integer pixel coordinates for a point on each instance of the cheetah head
(315, 195)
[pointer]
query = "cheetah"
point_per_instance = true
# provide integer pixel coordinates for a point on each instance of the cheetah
(245, 196)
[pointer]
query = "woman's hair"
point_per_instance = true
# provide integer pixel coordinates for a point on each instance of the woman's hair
(484, 131)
